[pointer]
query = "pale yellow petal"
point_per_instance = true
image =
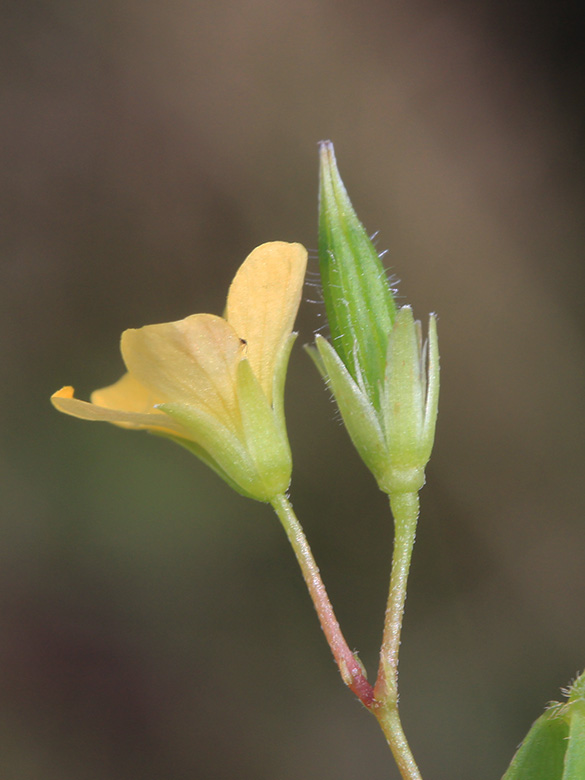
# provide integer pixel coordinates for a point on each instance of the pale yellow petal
(64, 401)
(191, 361)
(127, 394)
(263, 301)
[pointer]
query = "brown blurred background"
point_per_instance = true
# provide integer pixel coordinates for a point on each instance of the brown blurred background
(152, 623)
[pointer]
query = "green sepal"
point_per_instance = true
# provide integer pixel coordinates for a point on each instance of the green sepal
(268, 447)
(404, 391)
(256, 461)
(358, 299)
(432, 389)
(358, 414)
(206, 458)
(313, 353)
(217, 446)
(280, 369)
(409, 403)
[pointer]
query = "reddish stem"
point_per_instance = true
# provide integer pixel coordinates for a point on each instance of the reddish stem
(350, 668)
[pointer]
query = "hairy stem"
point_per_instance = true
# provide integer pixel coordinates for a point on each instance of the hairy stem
(350, 668)
(405, 509)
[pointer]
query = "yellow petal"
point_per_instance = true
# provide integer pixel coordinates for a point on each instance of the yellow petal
(64, 401)
(263, 301)
(191, 361)
(127, 394)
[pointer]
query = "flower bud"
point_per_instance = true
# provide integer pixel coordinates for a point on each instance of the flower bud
(358, 300)
(376, 364)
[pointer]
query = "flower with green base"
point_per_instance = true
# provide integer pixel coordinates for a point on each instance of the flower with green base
(216, 385)
(376, 365)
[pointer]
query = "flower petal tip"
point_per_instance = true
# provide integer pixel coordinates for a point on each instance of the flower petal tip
(64, 392)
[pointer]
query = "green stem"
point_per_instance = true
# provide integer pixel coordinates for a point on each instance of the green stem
(405, 509)
(350, 668)
(391, 725)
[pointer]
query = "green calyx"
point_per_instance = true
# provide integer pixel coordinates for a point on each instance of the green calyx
(395, 443)
(358, 299)
(256, 459)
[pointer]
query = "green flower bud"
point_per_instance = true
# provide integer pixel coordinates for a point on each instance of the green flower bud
(377, 363)
(358, 300)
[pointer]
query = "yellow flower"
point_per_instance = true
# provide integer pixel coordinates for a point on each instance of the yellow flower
(216, 385)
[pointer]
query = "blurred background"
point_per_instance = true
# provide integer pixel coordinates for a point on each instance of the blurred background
(152, 623)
